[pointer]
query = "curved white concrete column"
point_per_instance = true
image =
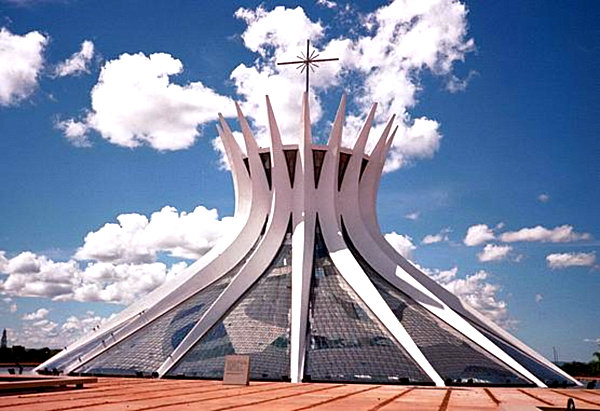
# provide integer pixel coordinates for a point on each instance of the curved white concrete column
(303, 237)
(394, 274)
(222, 258)
(343, 259)
(369, 185)
(261, 258)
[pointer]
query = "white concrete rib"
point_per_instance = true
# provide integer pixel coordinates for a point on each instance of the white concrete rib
(369, 185)
(280, 200)
(219, 261)
(303, 237)
(388, 269)
(348, 267)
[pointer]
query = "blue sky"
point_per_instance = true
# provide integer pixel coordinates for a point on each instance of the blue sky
(497, 159)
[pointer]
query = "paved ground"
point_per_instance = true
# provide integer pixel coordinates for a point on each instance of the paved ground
(145, 394)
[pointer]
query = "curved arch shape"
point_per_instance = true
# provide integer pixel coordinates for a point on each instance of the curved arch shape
(343, 259)
(277, 225)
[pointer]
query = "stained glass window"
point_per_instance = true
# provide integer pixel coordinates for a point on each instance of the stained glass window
(318, 158)
(543, 372)
(146, 349)
(290, 159)
(346, 340)
(455, 357)
(257, 325)
(73, 356)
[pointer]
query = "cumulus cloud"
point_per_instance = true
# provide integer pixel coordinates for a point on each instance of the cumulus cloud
(277, 35)
(31, 275)
(23, 263)
(478, 292)
(40, 314)
(3, 261)
(76, 132)
(402, 40)
(120, 283)
(136, 238)
(564, 260)
(560, 234)
(98, 281)
(22, 57)
(436, 238)
(493, 252)
(327, 3)
(416, 139)
(48, 333)
(78, 63)
(401, 243)
(478, 234)
(117, 263)
(135, 102)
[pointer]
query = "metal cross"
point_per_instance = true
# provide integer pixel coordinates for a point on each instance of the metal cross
(307, 61)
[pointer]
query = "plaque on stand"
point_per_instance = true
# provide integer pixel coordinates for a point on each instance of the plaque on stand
(237, 370)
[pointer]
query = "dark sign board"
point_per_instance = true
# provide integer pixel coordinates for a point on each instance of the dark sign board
(237, 370)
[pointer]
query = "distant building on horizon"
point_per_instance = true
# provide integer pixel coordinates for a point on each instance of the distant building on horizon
(4, 341)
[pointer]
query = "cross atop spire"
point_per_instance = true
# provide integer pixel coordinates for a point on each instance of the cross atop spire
(307, 62)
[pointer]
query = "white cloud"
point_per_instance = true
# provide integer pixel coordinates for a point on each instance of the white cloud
(78, 62)
(3, 261)
(62, 281)
(455, 84)
(401, 243)
(277, 35)
(477, 292)
(134, 102)
(564, 260)
(137, 238)
(403, 39)
(48, 333)
(593, 340)
(478, 234)
(544, 198)
(76, 132)
(40, 314)
(120, 283)
(327, 3)
(493, 252)
(436, 238)
(416, 139)
(413, 216)
(22, 60)
(538, 298)
(121, 258)
(23, 263)
(30, 275)
(13, 308)
(560, 234)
